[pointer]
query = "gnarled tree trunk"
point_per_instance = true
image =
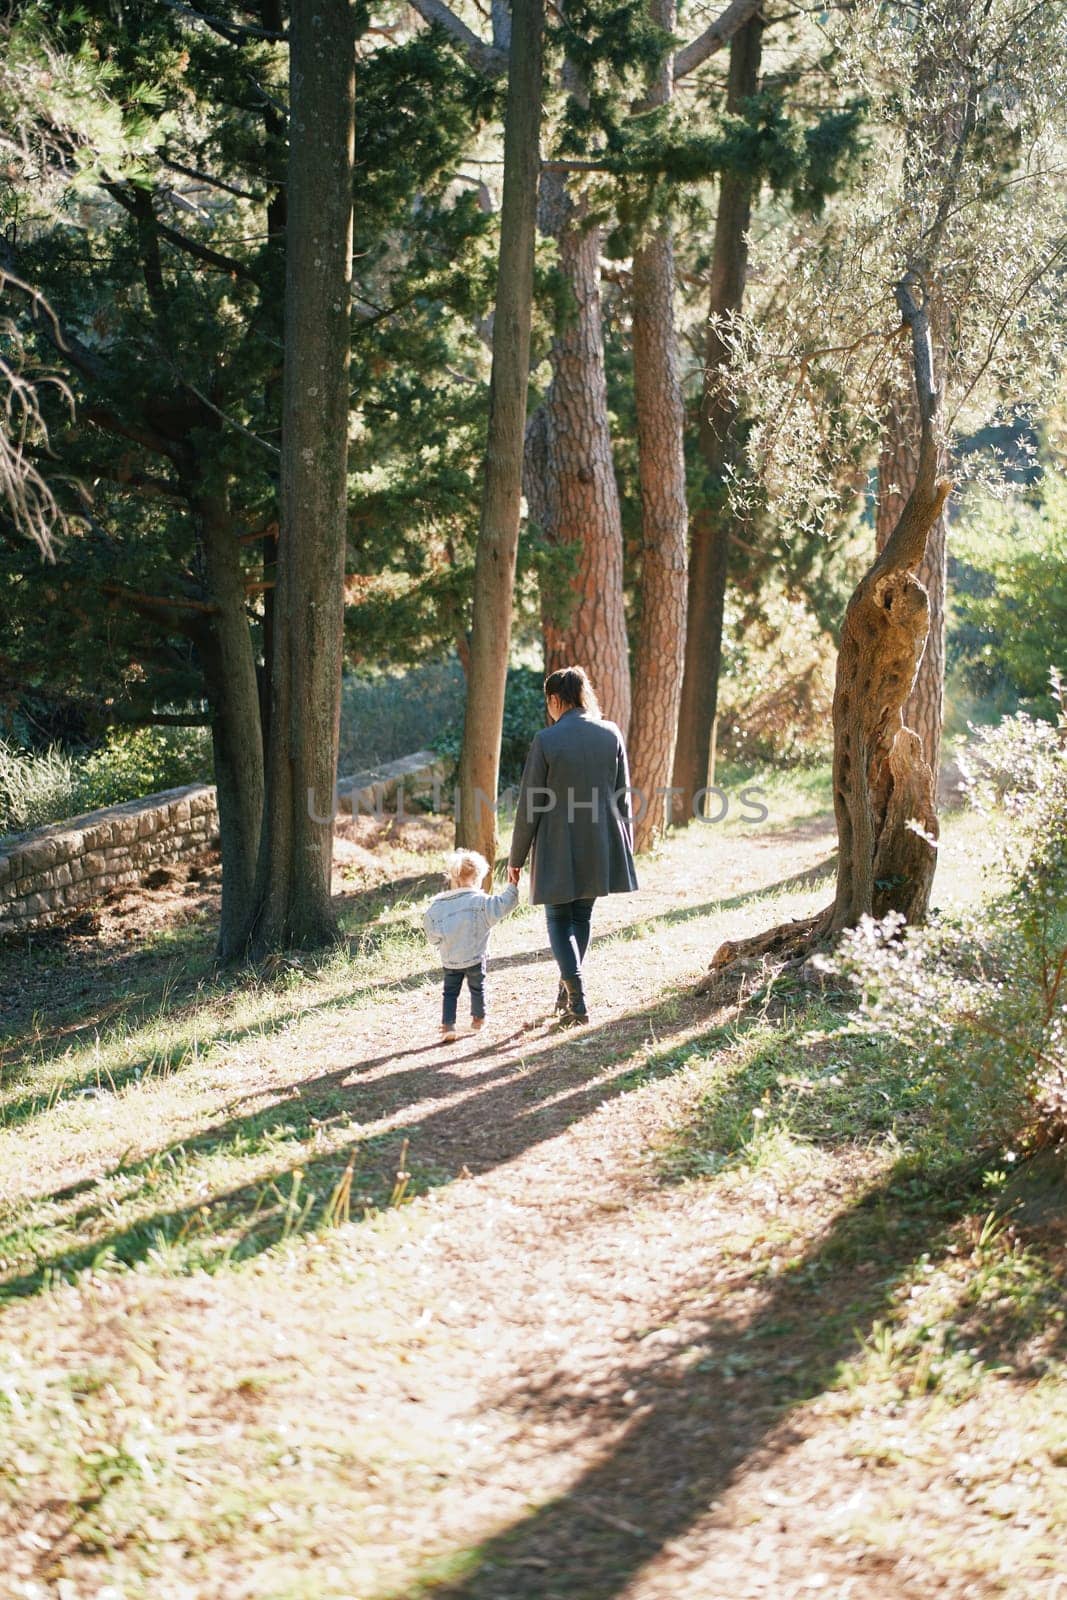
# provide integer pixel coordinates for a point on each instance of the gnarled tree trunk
(571, 487)
(897, 465)
(293, 904)
(498, 536)
(660, 652)
(883, 787)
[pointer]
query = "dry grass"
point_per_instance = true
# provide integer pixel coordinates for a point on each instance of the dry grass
(612, 1334)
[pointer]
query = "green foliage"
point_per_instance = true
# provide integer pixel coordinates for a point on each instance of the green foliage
(140, 761)
(1010, 593)
(777, 680)
(766, 143)
(51, 785)
(524, 716)
(35, 787)
(172, 279)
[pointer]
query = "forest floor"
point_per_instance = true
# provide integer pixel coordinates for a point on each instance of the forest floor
(300, 1304)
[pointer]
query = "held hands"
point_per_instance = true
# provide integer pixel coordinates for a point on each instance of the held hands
(514, 874)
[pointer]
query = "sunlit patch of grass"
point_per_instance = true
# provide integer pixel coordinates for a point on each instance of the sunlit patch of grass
(790, 795)
(985, 1306)
(955, 1404)
(763, 1086)
(194, 1435)
(179, 1035)
(213, 1204)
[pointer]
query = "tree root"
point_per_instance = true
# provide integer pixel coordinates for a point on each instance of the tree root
(790, 943)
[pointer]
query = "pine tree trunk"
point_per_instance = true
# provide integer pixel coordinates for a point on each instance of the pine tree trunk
(293, 905)
(710, 540)
(575, 496)
(229, 667)
(660, 652)
(897, 463)
(272, 17)
(882, 784)
(498, 535)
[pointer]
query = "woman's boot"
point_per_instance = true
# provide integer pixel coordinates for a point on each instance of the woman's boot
(576, 1012)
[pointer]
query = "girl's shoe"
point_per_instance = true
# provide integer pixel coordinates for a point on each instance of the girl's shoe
(448, 1034)
(477, 1024)
(575, 1013)
(561, 998)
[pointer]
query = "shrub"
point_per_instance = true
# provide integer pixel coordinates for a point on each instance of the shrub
(392, 714)
(37, 787)
(524, 716)
(777, 685)
(134, 762)
(980, 999)
(1010, 583)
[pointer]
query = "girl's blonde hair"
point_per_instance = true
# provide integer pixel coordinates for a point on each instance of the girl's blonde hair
(465, 866)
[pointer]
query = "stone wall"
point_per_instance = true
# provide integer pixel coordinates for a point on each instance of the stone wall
(53, 872)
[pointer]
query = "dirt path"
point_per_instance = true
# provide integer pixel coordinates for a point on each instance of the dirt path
(556, 1376)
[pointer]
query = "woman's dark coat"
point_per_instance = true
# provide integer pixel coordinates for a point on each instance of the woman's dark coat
(573, 812)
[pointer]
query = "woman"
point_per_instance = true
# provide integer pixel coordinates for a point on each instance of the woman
(573, 813)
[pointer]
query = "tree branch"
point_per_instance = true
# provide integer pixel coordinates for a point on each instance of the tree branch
(715, 36)
(232, 422)
(181, 241)
(80, 357)
(485, 58)
(160, 602)
(109, 420)
(144, 483)
(209, 179)
(233, 32)
(918, 321)
(577, 164)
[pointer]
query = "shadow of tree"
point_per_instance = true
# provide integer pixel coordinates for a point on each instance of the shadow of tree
(697, 1424)
(478, 1123)
(677, 1434)
(182, 999)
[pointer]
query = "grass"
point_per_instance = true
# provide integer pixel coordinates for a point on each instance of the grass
(263, 1335)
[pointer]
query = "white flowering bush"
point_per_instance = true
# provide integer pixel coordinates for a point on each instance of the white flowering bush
(979, 999)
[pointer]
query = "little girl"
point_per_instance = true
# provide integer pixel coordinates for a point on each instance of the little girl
(458, 922)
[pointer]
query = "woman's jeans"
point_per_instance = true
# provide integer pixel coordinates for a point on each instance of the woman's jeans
(454, 976)
(568, 934)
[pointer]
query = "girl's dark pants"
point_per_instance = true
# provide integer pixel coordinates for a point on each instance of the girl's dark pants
(454, 976)
(568, 934)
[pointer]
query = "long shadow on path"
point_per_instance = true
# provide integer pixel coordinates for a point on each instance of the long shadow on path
(161, 1061)
(697, 1430)
(454, 1119)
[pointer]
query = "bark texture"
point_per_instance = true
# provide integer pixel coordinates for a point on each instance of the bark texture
(883, 787)
(660, 652)
(498, 535)
(897, 466)
(710, 538)
(228, 662)
(292, 904)
(571, 487)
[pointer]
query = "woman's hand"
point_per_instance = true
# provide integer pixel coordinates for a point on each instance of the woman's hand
(514, 874)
